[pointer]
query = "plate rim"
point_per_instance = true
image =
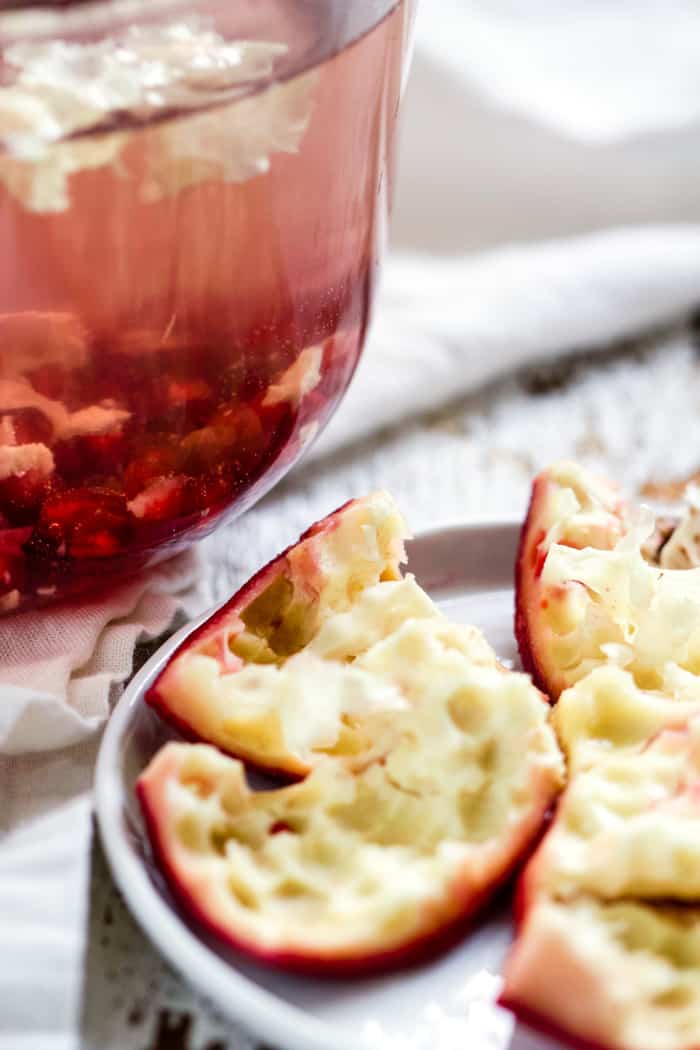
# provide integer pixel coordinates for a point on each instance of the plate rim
(236, 996)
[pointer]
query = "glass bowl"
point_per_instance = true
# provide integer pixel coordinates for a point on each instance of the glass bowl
(193, 203)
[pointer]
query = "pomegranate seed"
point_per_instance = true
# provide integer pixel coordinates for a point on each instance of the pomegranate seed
(12, 540)
(98, 544)
(278, 423)
(152, 462)
(234, 431)
(21, 496)
(165, 498)
(213, 490)
(188, 402)
(269, 366)
(279, 827)
(96, 454)
(244, 420)
(82, 523)
(236, 376)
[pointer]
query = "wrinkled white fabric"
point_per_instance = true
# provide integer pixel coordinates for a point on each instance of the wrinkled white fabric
(447, 325)
(57, 668)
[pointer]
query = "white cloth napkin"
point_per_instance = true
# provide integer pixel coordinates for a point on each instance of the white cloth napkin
(58, 668)
(582, 70)
(58, 673)
(548, 119)
(445, 326)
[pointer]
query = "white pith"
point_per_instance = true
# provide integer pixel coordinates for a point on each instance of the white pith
(625, 967)
(624, 975)
(376, 856)
(63, 90)
(300, 379)
(369, 644)
(607, 713)
(95, 419)
(601, 602)
(149, 497)
(16, 460)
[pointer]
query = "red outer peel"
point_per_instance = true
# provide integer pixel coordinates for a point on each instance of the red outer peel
(539, 1023)
(423, 948)
(528, 567)
(156, 696)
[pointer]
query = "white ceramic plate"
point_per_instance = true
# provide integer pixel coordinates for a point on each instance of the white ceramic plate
(468, 570)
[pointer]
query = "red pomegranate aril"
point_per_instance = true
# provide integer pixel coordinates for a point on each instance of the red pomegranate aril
(84, 523)
(244, 420)
(278, 424)
(190, 400)
(91, 454)
(165, 498)
(21, 496)
(100, 544)
(280, 827)
(12, 540)
(213, 490)
(199, 434)
(150, 463)
(235, 376)
(173, 466)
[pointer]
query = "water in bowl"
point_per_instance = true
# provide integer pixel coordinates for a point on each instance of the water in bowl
(192, 211)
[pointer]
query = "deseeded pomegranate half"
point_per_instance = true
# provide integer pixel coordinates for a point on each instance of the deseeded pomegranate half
(429, 767)
(359, 868)
(598, 582)
(608, 942)
(287, 672)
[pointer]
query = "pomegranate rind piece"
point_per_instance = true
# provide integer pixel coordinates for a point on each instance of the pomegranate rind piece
(356, 870)
(608, 975)
(592, 593)
(626, 826)
(607, 952)
(572, 507)
(214, 687)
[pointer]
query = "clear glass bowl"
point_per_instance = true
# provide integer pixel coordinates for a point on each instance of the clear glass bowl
(193, 201)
